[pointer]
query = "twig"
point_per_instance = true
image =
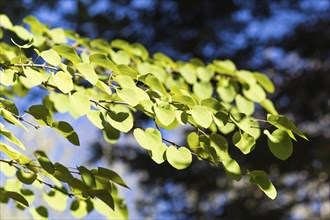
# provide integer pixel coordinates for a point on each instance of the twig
(43, 66)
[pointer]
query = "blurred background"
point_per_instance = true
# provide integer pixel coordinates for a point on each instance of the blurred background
(287, 40)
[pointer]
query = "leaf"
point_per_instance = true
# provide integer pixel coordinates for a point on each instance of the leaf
(224, 66)
(179, 158)
(129, 96)
(111, 175)
(9, 117)
(149, 138)
(80, 103)
(244, 142)
(105, 196)
(56, 200)
(265, 82)
(111, 135)
(67, 131)
(88, 72)
(7, 134)
(220, 119)
(58, 35)
(269, 106)
(51, 57)
(184, 99)
(165, 114)
(5, 21)
(7, 77)
(25, 46)
(157, 153)
(244, 105)
(202, 116)
(279, 143)
(68, 53)
(26, 177)
(96, 118)
(46, 164)
(122, 121)
(104, 61)
(120, 57)
(232, 168)
(227, 93)
(62, 173)
(188, 73)
(39, 213)
(205, 74)
(104, 87)
(13, 195)
(193, 140)
(203, 89)
(87, 176)
(41, 114)
(220, 145)
(155, 84)
(254, 93)
(213, 104)
(127, 71)
(260, 178)
(80, 208)
(282, 122)
(34, 77)
(63, 81)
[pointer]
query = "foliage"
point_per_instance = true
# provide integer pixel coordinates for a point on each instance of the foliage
(110, 83)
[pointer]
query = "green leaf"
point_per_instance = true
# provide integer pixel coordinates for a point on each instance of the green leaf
(179, 158)
(51, 57)
(41, 114)
(203, 89)
(8, 135)
(80, 208)
(13, 195)
(120, 57)
(220, 144)
(104, 61)
(193, 140)
(63, 81)
(165, 114)
(68, 53)
(58, 35)
(213, 104)
(280, 144)
(105, 196)
(80, 102)
(184, 99)
(265, 82)
(88, 72)
(205, 74)
(282, 122)
(147, 68)
(244, 142)
(11, 118)
(5, 21)
(157, 153)
(269, 106)
(260, 178)
(220, 119)
(127, 71)
(46, 164)
(188, 73)
(104, 87)
(244, 105)
(120, 119)
(25, 46)
(148, 139)
(254, 93)
(224, 66)
(202, 116)
(87, 176)
(56, 200)
(155, 84)
(26, 177)
(232, 168)
(7, 77)
(62, 173)
(34, 77)
(39, 213)
(111, 175)
(227, 93)
(111, 135)
(67, 131)
(96, 118)
(129, 96)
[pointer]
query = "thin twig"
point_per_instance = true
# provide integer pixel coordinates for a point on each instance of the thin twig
(43, 66)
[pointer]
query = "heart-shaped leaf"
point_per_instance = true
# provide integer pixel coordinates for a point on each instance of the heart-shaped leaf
(179, 158)
(149, 138)
(280, 144)
(244, 142)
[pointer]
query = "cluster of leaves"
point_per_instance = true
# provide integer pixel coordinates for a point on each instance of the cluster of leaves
(109, 82)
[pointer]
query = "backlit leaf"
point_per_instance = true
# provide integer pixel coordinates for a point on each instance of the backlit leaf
(202, 116)
(67, 52)
(63, 81)
(280, 144)
(41, 114)
(67, 131)
(179, 158)
(260, 178)
(80, 102)
(88, 72)
(51, 57)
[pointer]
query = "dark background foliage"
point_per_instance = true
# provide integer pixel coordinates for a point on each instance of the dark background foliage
(287, 40)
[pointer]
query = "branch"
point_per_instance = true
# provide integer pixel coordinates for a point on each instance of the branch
(43, 66)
